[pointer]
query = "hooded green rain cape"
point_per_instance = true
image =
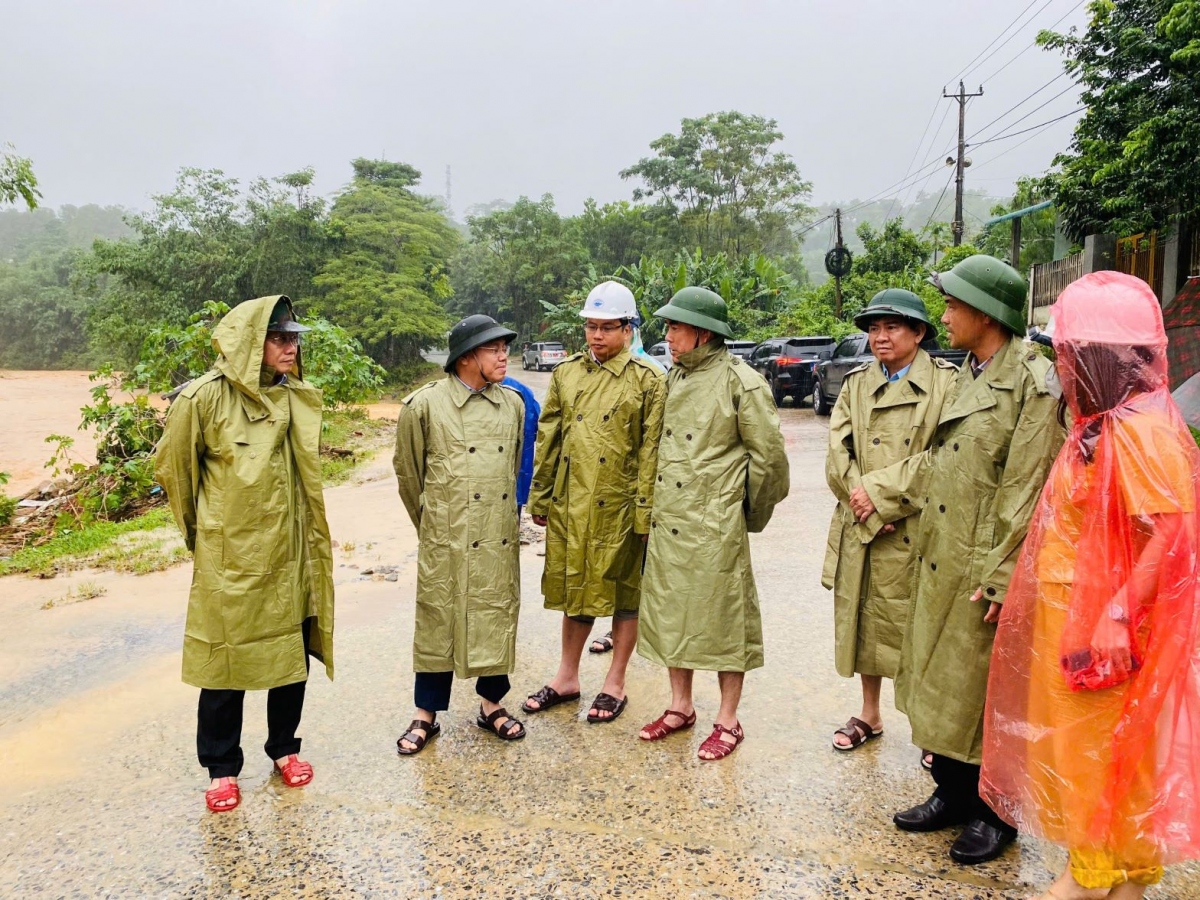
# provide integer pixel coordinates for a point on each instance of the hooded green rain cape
(239, 463)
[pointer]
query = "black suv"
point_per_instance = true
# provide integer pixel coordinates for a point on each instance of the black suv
(851, 353)
(787, 364)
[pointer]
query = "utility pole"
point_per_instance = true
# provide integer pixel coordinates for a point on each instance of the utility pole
(837, 281)
(962, 97)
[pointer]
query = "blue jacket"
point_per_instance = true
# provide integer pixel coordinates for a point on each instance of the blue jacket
(533, 411)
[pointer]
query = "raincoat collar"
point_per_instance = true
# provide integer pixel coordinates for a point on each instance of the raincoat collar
(460, 393)
(703, 356)
(238, 340)
(919, 374)
(616, 365)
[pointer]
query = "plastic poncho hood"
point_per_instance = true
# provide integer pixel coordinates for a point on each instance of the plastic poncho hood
(1092, 731)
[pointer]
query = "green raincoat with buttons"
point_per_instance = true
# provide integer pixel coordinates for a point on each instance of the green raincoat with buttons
(593, 480)
(239, 463)
(876, 423)
(722, 468)
(457, 456)
(978, 485)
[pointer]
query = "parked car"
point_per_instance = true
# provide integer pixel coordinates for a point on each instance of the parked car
(542, 355)
(661, 353)
(741, 349)
(787, 364)
(849, 354)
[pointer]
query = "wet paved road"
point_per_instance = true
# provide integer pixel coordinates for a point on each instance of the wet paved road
(104, 798)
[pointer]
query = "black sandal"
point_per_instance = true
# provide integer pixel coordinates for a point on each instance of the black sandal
(431, 729)
(504, 731)
(607, 703)
(546, 698)
(601, 644)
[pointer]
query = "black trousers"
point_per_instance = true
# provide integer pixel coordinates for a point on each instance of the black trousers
(958, 788)
(431, 690)
(219, 724)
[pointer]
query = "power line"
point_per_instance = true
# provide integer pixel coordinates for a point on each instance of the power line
(932, 144)
(1004, 137)
(940, 198)
(963, 71)
(1020, 103)
(1029, 47)
(993, 137)
(1009, 38)
(916, 153)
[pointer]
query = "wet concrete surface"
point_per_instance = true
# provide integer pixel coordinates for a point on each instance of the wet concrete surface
(104, 797)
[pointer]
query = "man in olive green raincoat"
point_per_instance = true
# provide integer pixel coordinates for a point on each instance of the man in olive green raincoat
(977, 485)
(886, 411)
(458, 451)
(239, 463)
(593, 487)
(722, 468)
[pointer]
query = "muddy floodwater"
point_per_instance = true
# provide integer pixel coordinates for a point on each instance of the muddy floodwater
(104, 798)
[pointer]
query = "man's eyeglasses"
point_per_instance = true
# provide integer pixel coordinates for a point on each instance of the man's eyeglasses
(283, 338)
(596, 327)
(498, 351)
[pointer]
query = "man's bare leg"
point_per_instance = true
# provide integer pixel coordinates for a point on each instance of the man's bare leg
(624, 632)
(731, 696)
(681, 698)
(574, 639)
(872, 686)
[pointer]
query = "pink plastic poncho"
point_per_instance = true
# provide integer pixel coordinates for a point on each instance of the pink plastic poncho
(1092, 729)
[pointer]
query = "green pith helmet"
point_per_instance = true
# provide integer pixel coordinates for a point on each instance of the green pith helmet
(700, 308)
(284, 319)
(895, 302)
(993, 287)
(474, 331)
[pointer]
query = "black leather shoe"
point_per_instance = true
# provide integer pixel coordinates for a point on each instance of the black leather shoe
(932, 815)
(980, 843)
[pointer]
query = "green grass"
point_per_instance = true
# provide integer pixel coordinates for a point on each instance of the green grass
(77, 547)
(351, 429)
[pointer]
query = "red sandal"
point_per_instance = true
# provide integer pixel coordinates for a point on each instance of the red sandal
(227, 790)
(719, 748)
(659, 729)
(295, 768)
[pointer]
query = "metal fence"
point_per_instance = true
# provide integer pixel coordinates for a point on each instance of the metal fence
(1047, 281)
(1142, 255)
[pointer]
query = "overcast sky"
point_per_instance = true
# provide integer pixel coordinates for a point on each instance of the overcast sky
(110, 99)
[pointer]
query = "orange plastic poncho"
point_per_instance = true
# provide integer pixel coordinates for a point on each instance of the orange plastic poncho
(1092, 728)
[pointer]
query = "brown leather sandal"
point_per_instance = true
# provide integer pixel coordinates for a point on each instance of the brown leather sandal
(546, 698)
(607, 703)
(858, 731)
(506, 731)
(414, 736)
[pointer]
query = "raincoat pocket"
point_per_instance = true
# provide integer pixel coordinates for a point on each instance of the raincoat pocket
(491, 630)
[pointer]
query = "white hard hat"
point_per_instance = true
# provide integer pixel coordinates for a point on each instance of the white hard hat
(609, 300)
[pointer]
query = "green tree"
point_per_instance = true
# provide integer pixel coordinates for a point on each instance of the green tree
(43, 316)
(1134, 159)
(387, 280)
(619, 234)
(519, 259)
(728, 186)
(1037, 229)
(893, 249)
(17, 181)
